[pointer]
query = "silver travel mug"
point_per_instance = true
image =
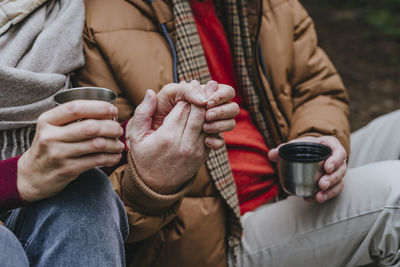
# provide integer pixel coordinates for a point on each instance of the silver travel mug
(86, 93)
(301, 165)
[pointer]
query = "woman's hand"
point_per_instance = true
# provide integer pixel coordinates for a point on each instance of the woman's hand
(66, 144)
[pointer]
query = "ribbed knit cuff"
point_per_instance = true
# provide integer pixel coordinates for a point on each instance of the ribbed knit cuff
(141, 198)
(9, 195)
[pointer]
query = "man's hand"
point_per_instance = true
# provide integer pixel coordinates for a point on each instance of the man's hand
(66, 144)
(335, 167)
(215, 97)
(168, 155)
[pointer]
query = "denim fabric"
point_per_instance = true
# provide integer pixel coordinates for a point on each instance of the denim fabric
(84, 225)
(12, 253)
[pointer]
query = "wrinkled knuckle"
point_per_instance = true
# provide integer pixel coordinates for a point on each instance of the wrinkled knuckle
(221, 113)
(112, 160)
(336, 179)
(139, 111)
(200, 154)
(116, 159)
(101, 160)
(117, 129)
(69, 171)
(41, 121)
(198, 119)
(200, 114)
(90, 128)
(218, 128)
(54, 155)
(44, 139)
(73, 108)
(98, 143)
(187, 151)
(166, 141)
(210, 127)
(173, 86)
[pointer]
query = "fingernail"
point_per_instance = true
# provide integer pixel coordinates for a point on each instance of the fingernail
(146, 95)
(211, 115)
(211, 104)
(331, 167)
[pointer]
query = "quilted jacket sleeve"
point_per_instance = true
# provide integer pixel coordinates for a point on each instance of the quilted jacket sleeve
(320, 100)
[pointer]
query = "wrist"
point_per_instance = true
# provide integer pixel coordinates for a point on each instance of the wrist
(155, 177)
(163, 189)
(141, 198)
(26, 191)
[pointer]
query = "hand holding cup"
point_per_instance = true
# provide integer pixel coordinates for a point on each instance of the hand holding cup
(334, 167)
(70, 139)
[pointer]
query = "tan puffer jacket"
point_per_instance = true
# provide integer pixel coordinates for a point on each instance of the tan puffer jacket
(301, 94)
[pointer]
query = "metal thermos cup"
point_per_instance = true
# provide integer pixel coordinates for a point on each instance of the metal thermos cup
(301, 166)
(85, 93)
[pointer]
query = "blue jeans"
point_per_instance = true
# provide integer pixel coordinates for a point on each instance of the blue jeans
(84, 225)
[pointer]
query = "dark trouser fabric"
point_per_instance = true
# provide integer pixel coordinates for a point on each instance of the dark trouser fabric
(84, 225)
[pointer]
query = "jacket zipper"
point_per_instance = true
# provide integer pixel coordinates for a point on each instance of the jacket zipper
(266, 108)
(172, 48)
(173, 51)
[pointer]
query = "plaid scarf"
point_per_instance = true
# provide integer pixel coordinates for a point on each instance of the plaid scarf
(193, 65)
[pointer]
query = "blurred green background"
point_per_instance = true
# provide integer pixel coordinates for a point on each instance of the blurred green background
(362, 38)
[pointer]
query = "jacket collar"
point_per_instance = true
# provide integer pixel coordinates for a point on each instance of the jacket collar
(160, 10)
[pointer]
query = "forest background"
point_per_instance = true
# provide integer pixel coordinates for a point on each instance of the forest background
(362, 38)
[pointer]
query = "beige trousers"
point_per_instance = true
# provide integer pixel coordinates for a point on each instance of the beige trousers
(361, 225)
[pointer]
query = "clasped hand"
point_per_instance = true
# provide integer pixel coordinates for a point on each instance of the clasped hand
(172, 132)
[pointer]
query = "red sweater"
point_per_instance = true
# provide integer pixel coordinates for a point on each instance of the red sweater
(254, 175)
(9, 196)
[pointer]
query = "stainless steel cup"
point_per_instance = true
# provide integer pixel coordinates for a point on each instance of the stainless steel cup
(301, 166)
(85, 93)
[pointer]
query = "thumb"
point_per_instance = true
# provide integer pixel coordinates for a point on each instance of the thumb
(273, 155)
(142, 119)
